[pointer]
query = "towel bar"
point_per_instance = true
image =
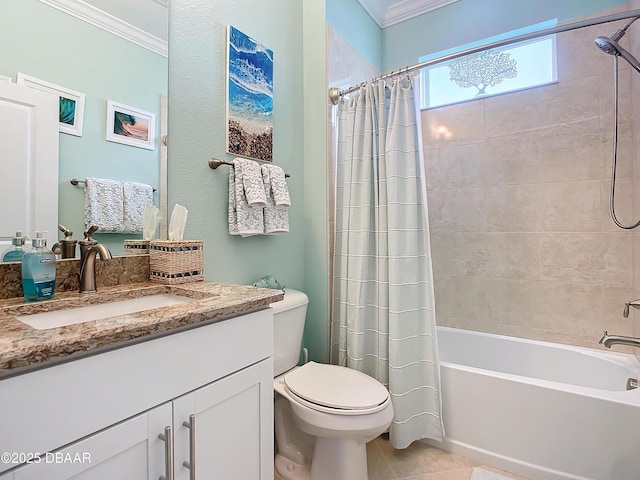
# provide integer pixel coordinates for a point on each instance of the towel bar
(75, 181)
(215, 163)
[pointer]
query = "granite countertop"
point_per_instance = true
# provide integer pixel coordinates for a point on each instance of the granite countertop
(23, 348)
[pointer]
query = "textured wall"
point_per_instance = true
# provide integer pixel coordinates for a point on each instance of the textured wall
(518, 196)
(315, 178)
(634, 43)
(197, 125)
(353, 22)
(295, 31)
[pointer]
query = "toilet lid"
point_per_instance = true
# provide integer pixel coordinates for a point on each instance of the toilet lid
(336, 387)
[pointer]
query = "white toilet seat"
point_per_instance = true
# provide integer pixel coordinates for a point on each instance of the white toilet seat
(336, 390)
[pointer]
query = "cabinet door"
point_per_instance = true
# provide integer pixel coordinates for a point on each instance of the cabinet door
(231, 433)
(131, 450)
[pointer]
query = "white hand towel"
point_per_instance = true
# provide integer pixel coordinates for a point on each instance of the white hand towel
(251, 181)
(276, 218)
(278, 184)
(104, 204)
(137, 196)
(233, 215)
(244, 219)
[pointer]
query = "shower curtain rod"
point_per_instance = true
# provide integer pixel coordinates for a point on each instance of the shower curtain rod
(335, 93)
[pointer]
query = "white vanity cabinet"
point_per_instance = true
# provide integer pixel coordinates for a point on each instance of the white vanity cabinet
(208, 389)
(232, 419)
(130, 450)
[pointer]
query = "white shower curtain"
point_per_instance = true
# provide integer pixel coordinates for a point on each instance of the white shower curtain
(383, 303)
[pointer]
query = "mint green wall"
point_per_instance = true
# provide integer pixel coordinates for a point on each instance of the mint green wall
(466, 21)
(295, 31)
(348, 18)
(50, 45)
(197, 56)
(315, 179)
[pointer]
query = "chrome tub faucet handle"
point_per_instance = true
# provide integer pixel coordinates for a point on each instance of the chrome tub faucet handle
(633, 303)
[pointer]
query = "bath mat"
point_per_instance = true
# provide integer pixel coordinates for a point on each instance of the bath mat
(482, 474)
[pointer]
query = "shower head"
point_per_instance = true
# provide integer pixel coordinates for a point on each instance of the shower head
(610, 46)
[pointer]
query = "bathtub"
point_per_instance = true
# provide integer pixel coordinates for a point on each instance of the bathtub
(541, 410)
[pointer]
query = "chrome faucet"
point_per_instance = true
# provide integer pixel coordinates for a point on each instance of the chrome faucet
(608, 340)
(88, 268)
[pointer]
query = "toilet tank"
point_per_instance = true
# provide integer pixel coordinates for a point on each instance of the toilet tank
(288, 325)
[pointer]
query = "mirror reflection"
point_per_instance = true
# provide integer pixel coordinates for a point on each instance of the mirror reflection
(106, 50)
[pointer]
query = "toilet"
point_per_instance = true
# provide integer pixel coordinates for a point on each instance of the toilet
(324, 414)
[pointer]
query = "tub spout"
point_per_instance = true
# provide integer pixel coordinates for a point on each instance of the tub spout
(608, 340)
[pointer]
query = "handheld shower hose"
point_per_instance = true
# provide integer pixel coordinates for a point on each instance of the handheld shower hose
(610, 46)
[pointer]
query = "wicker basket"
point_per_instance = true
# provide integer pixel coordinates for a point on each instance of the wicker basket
(172, 262)
(136, 247)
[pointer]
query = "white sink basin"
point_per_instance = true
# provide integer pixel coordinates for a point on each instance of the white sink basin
(71, 316)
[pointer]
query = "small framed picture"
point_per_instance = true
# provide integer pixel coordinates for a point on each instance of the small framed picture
(130, 126)
(71, 103)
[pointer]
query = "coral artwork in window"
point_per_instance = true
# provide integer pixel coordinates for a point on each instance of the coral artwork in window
(483, 69)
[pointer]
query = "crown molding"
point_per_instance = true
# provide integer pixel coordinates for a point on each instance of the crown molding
(375, 10)
(111, 24)
(406, 9)
(401, 10)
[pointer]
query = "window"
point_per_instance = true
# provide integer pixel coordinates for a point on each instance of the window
(506, 69)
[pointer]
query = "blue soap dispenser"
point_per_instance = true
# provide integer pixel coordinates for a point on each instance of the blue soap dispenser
(17, 251)
(39, 271)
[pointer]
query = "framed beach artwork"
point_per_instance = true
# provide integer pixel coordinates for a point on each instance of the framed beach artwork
(130, 126)
(249, 97)
(71, 103)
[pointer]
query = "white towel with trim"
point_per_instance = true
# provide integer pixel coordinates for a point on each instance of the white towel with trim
(249, 174)
(278, 184)
(137, 196)
(276, 217)
(104, 204)
(244, 219)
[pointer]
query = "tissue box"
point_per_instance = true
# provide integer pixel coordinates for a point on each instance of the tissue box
(136, 247)
(173, 262)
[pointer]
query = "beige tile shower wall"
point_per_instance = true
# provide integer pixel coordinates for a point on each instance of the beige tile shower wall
(518, 188)
(635, 102)
(346, 66)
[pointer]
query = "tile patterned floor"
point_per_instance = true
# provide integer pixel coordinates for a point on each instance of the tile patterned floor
(418, 462)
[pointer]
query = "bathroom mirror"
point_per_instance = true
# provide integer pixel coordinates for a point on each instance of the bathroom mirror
(106, 50)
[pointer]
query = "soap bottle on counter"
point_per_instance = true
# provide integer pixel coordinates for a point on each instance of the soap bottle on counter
(39, 271)
(17, 250)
